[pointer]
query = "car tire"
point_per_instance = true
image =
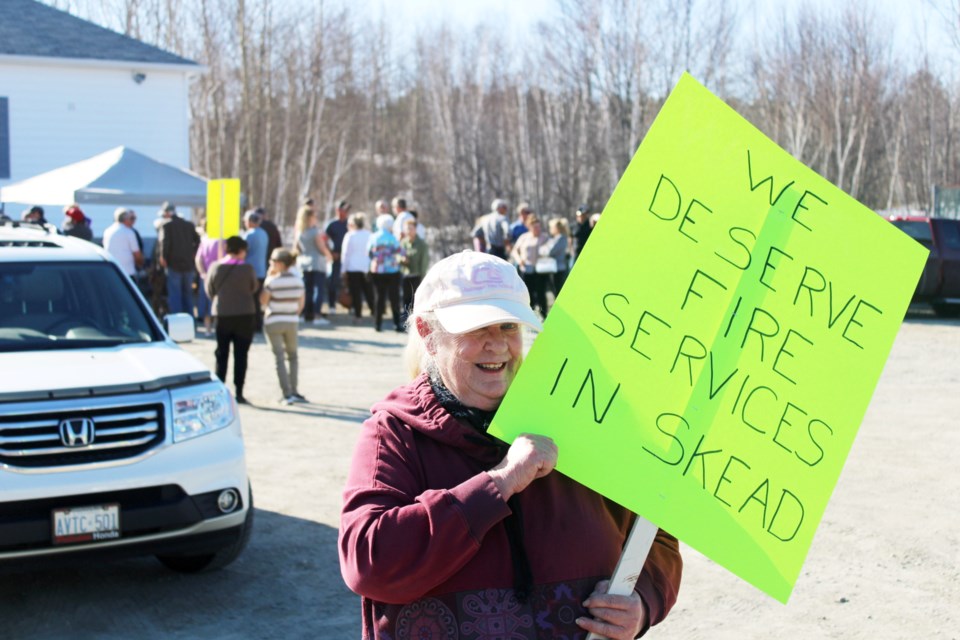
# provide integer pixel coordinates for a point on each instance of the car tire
(218, 559)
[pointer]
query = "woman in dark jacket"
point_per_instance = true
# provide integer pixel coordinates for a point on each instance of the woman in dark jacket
(231, 284)
(446, 532)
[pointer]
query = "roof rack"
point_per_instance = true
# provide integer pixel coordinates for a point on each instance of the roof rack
(41, 226)
(28, 243)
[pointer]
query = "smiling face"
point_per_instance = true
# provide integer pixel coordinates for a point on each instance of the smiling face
(478, 366)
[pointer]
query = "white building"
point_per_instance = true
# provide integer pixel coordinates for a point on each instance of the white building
(70, 89)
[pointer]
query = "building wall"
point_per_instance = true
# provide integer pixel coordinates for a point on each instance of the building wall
(64, 112)
(60, 112)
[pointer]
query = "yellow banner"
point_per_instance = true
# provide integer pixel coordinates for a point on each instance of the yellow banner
(223, 208)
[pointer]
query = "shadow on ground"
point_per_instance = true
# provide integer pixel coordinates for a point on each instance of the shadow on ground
(287, 584)
(329, 343)
(352, 415)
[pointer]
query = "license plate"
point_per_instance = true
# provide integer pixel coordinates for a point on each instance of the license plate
(86, 524)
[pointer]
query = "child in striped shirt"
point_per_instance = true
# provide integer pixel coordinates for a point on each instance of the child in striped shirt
(282, 298)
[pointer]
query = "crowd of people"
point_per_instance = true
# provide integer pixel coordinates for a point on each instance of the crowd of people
(353, 260)
(75, 222)
(253, 283)
(543, 257)
(348, 260)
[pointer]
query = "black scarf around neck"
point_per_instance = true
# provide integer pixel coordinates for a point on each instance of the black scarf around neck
(477, 418)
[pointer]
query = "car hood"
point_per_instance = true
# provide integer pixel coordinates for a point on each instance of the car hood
(86, 371)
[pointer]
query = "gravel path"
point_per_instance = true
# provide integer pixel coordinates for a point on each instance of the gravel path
(884, 564)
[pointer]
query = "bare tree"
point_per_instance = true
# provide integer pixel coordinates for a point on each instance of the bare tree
(316, 99)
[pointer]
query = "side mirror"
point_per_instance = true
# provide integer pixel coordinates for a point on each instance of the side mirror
(180, 327)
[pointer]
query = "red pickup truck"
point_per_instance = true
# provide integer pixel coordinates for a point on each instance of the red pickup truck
(940, 283)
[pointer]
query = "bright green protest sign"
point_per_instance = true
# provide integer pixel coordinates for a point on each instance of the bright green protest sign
(714, 350)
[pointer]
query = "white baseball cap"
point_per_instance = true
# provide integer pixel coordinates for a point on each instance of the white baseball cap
(470, 290)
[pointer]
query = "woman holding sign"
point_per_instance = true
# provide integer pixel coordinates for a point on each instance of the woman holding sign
(447, 532)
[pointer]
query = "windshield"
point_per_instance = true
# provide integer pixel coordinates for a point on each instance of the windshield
(64, 305)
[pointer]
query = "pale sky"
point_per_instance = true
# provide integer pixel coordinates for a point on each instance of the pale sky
(523, 13)
(913, 21)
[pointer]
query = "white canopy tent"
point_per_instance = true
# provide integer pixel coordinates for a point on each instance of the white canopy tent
(120, 176)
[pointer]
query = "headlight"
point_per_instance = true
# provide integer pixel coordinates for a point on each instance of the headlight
(200, 411)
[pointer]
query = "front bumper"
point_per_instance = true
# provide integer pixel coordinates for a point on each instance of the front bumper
(152, 520)
(167, 493)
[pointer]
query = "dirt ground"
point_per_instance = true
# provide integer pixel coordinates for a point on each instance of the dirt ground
(885, 562)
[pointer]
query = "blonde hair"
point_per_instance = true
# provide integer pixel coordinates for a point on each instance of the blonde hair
(416, 355)
(359, 219)
(303, 220)
(560, 225)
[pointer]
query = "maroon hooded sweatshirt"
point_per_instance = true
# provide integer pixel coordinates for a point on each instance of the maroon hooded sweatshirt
(424, 537)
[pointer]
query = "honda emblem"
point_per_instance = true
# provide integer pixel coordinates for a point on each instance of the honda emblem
(77, 432)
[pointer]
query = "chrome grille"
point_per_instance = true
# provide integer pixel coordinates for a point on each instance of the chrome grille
(36, 440)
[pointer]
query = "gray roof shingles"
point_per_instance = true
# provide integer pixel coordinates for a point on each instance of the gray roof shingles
(29, 28)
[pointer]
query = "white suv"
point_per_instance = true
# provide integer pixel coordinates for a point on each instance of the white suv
(113, 440)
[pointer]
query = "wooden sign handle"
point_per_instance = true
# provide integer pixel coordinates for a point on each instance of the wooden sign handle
(631, 561)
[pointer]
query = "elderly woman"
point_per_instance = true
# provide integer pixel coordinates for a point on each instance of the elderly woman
(385, 252)
(525, 253)
(447, 532)
(413, 263)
